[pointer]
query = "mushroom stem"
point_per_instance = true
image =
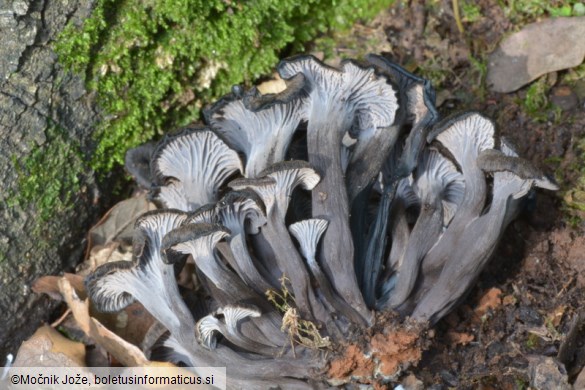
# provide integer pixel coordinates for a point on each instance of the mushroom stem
(479, 241)
(308, 234)
(290, 262)
(465, 137)
(425, 233)
(330, 201)
(248, 268)
(377, 237)
(367, 158)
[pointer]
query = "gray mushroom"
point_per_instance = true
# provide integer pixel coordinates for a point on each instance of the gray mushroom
(437, 181)
(417, 107)
(513, 178)
(242, 211)
(194, 164)
(199, 241)
(413, 241)
(262, 135)
(275, 189)
(148, 279)
(464, 137)
(137, 163)
(232, 315)
(308, 233)
(355, 99)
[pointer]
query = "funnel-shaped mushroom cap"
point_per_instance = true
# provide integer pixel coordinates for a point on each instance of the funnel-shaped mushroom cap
(437, 178)
(148, 280)
(156, 224)
(435, 174)
(137, 163)
(352, 91)
(239, 209)
(417, 101)
(234, 314)
(209, 325)
(199, 160)
(465, 136)
(308, 233)
(480, 237)
(172, 195)
(107, 286)
(510, 165)
(420, 94)
(206, 214)
(278, 182)
(206, 329)
(199, 239)
(243, 212)
(262, 135)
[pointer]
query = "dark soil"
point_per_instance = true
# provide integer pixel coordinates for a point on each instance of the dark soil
(524, 303)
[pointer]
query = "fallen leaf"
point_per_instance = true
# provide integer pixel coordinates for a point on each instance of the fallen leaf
(131, 324)
(48, 348)
(101, 254)
(539, 48)
(490, 300)
(118, 222)
(50, 285)
(126, 353)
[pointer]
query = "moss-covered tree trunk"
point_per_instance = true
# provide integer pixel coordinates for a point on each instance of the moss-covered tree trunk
(46, 192)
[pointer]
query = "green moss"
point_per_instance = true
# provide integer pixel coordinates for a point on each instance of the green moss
(48, 176)
(575, 197)
(155, 63)
(525, 11)
(536, 101)
(532, 341)
(470, 11)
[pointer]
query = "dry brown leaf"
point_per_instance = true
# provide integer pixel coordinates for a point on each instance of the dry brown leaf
(101, 254)
(118, 222)
(456, 338)
(490, 300)
(50, 285)
(48, 348)
(126, 353)
(131, 324)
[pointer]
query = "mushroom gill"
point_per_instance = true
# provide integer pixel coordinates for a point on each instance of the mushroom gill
(311, 213)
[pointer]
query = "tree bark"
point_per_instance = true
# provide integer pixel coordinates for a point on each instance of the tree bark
(36, 94)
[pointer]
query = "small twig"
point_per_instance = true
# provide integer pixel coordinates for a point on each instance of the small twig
(455, 4)
(566, 286)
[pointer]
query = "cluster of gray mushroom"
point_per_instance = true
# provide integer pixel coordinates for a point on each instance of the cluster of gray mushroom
(304, 213)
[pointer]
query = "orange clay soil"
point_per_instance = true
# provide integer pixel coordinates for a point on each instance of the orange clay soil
(382, 353)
